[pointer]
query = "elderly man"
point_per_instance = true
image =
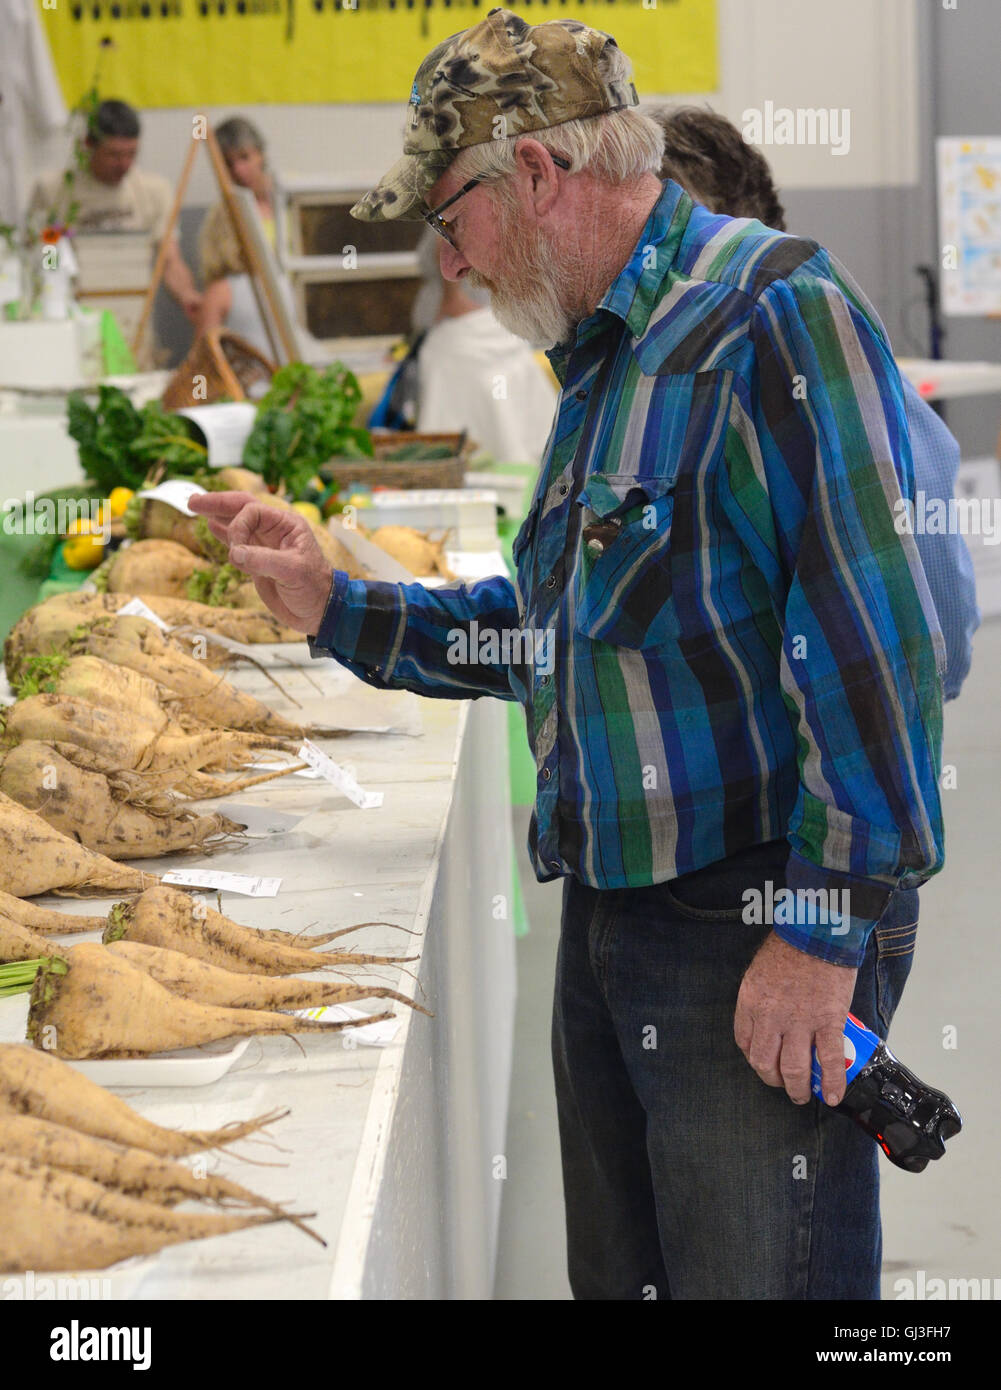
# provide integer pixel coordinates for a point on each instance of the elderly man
(746, 694)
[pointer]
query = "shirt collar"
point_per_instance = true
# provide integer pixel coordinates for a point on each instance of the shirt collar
(635, 290)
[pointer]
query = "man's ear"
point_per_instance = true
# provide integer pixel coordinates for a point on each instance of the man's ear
(537, 175)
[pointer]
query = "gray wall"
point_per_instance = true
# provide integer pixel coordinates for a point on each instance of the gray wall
(881, 234)
(966, 57)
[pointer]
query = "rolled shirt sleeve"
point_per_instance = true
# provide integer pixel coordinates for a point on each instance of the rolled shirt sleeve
(455, 642)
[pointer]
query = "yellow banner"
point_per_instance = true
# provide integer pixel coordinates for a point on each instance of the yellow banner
(195, 53)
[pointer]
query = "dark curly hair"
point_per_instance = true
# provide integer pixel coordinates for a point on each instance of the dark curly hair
(712, 161)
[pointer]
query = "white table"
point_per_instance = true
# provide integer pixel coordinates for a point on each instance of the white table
(941, 381)
(398, 1150)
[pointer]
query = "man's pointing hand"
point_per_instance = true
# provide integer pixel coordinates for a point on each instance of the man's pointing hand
(277, 549)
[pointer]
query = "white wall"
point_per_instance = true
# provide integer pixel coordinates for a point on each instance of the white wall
(808, 53)
(855, 54)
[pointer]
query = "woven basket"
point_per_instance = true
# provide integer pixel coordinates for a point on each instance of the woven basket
(229, 365)
(420, 473)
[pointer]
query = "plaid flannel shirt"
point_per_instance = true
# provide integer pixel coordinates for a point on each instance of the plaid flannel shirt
(718, 633)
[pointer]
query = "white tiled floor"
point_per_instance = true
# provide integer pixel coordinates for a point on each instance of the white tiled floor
(945, 1221)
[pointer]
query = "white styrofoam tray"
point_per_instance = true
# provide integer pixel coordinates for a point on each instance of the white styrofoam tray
(190, 1066)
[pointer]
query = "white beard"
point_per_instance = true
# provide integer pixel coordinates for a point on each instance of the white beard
(539, 319)
(540, 283)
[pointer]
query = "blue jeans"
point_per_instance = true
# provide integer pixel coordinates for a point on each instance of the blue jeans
(685, 1176)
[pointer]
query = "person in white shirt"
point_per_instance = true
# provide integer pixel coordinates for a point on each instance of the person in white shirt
(475, 375)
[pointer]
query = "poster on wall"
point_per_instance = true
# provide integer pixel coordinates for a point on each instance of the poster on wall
(170, 53)
(969, 200)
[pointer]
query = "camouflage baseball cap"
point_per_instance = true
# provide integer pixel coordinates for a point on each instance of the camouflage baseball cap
(529, 76)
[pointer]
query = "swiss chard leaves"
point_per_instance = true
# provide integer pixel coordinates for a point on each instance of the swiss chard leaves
(303, 421)
(120, 445)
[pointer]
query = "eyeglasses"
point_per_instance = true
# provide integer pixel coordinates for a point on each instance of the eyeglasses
(438, 224)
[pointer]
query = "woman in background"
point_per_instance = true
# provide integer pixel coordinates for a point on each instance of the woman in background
(229, 299)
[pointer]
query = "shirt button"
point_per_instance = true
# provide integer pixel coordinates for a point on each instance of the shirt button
(581, 395)
(564, 489)
(544, 680)
(546, 775)
(553, 864)
(551, 582)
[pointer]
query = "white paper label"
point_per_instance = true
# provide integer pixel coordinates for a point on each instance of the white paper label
(338, 777)
(226, 427)
(135, 608)
(231, 883)
(176, 493)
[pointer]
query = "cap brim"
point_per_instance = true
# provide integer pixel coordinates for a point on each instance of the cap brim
(400, 192)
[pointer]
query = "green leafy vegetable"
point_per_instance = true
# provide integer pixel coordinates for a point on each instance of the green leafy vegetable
(105, 436)
(199, 586)
(120, 445)
(212, 548)
(214, 587)
(39, 675)
(99, 577)
(303, 421)
(18, 976)
(168, 440)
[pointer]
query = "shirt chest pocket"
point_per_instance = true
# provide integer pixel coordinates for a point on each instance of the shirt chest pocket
(622, 586)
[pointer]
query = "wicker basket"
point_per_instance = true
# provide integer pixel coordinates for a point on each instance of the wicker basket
(229, 364)
(419, 473)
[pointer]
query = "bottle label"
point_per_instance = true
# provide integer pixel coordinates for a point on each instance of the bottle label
(860, 1044)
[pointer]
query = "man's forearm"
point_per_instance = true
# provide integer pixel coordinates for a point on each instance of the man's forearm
(450, 643)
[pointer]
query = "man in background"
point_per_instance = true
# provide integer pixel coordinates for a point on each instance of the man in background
(113, 194)
(708, 156)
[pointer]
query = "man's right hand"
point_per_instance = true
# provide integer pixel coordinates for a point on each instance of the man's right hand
(277, 549)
